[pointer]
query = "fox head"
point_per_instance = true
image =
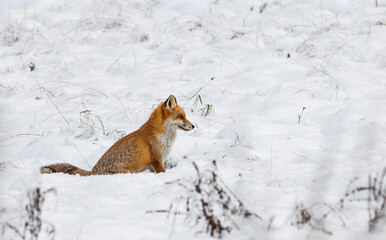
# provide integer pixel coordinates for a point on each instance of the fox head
(176, 115)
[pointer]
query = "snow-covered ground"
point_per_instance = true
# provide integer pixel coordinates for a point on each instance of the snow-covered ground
(289, 97)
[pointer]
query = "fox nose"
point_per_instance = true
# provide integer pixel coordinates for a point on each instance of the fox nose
(192, 126)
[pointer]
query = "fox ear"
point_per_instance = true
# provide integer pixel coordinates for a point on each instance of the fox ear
(171, 102)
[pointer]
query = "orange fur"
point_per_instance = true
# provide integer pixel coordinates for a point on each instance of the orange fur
(148, 146)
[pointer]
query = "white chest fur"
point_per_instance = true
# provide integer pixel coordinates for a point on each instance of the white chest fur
(167, 139)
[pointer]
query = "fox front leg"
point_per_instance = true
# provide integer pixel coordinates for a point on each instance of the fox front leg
(158, 166)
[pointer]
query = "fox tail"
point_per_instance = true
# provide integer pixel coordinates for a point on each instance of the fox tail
(64, 168)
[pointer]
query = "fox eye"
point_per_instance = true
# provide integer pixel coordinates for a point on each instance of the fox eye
(181, 117)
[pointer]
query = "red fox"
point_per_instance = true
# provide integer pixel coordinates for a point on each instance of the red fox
(148, 146)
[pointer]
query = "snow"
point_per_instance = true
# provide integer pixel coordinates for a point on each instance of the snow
(100, 67)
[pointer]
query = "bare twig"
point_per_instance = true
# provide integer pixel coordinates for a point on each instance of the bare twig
(210, 202)
(54, 104)
(199, 90)
(32, 222)
(300, 114)
(22, 134)
(313, 161)
(81, 155)
(376, 198)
